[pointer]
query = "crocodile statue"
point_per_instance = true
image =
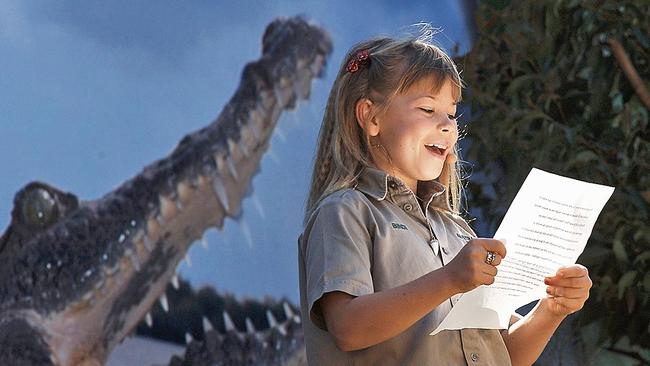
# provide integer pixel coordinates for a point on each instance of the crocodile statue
(271, 332)
(76, 277)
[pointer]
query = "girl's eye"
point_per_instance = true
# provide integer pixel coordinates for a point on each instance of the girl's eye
(454, 117)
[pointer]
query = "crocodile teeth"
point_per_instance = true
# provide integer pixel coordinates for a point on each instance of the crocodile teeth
(163, 302)
(282, 95)
(274, 323)
(250, 328)
(316, 65)
(207, 325)
(160, 219)
(88, 296)
(302, 86)
(175, 282)
(147, 243)
(278, 132)
(168, 207)
(153, 230)
(188, 338)
(236, 149)
(247, 233)
(204, 242)
(258, 205)
(271, 319)
(179, 204)
(252, 130)
(184, 191)
(227, 322)
(219, 189)
(231, 167)
(149, 320)
(288, 313)
(134, 259)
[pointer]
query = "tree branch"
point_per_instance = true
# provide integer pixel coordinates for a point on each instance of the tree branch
(629, 70)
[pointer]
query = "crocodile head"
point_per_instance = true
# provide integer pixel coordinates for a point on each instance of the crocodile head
(77, 276)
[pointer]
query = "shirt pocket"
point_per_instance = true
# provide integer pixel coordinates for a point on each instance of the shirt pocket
(401, 255)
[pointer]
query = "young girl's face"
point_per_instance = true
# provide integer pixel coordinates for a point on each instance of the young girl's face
(419, 131)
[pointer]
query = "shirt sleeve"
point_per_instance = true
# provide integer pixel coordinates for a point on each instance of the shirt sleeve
(337, 254)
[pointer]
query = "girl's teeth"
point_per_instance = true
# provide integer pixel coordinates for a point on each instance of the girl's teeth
(435, 149)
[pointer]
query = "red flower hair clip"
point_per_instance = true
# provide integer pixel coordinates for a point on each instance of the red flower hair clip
(362, 58)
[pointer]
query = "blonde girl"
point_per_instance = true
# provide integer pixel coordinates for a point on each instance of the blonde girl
(384, 254)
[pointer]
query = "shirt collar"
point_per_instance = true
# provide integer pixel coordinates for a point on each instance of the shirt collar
(375, 183)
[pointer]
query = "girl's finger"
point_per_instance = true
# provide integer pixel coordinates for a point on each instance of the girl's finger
(574, 282)
(570, 304)
(493, 245)
(486, 279)
(576, 270)
(496, 261)
(489, 269)
(568, 292)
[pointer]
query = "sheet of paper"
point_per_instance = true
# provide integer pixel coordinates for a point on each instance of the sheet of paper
(545, 228)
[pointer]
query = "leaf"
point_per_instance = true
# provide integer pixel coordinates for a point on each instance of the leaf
(625, 282)
(519, 82)
(569, 135)
(617, 103)
(641, 258)
(582, 158)
(617, 246)
(585, 73)
(646, 282)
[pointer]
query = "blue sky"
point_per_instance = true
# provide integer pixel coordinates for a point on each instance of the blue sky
(91, 92)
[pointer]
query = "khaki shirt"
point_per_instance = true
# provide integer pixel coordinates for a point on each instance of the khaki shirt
(376, 236)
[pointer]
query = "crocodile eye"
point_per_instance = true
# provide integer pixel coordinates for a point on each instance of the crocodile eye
(39, 208)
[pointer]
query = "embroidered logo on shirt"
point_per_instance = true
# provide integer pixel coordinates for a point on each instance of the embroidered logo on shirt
(465, 237)
(399, 226)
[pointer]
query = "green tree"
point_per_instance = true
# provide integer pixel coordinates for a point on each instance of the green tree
(562, 86)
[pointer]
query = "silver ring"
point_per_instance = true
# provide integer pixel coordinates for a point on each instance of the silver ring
(490, 257)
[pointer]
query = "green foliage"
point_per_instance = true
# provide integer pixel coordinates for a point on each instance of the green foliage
(547, 92)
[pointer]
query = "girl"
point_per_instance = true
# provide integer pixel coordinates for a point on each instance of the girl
(384, 254)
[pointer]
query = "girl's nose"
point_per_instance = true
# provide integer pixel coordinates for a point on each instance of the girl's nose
(447, 124)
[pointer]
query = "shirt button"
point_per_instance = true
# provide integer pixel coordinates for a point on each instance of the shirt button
(407, 207)
(474, 357)
(392, 185)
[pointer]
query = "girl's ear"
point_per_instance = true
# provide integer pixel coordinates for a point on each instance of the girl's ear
(362, 111)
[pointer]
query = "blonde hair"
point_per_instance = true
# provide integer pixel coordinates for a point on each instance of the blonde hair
(343, 146)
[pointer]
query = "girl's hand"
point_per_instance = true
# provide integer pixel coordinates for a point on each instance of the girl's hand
(567, 290)
(468, 269)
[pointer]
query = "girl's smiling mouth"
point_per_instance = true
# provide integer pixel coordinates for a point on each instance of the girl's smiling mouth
(438, 150)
